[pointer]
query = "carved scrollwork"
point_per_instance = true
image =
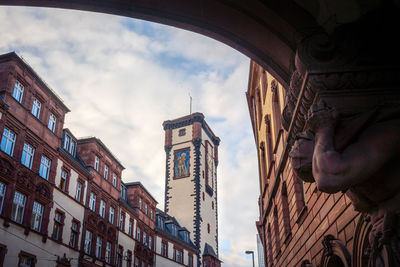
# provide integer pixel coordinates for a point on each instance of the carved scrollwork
(43, 190)
(7, 168)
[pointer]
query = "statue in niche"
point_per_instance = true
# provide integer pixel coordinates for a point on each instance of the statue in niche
(182, 163)
(359, 156)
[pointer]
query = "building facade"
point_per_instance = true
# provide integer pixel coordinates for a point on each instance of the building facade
(62, 199)
(298, 224)
(191, 181)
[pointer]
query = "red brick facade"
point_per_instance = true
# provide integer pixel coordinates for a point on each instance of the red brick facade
(298, 225)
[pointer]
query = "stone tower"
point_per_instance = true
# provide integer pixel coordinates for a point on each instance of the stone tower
(191, 180)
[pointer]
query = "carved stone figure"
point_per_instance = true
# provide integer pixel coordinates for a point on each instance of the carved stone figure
(357, 155)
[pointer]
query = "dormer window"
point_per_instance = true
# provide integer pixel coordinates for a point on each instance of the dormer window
(185, 235)
(160, 222)
(172, 228)
(69, 144)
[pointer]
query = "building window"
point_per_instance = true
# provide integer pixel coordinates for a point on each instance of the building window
(44, 170)
(58, 226)
(106, 172)
(150, 242)
(69, 144)
(99, 244)
(285, 209)
(36, 108)
(212, 204)
(190, 260)
(26, 259)
(129, 258)
(37, 214)
(146, 208)
(102, 211)
(144, 238)
(27, 155)
(96, 163)
(78, 195)
(114, 182)
(73, 241)
(164, 249)
(120, 254)
(208, 227)
(18, 91)
(136, 262)
(151, 214)
(108, 252)
(138, 234)
(92, 202)
(276, 230)
(52, 122)
(18, 207)
(111, 215)
(140, 203)
(88, 242)
(2, 194)
(178, 255)
(122, 221)
(182, 132)
(63, 181)
(8, 141)
(130, 229)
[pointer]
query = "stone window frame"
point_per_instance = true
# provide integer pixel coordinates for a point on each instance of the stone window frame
(28, 255)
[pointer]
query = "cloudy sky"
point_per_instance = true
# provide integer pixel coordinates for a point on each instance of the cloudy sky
(123, 77)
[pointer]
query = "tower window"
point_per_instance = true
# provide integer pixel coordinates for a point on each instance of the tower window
(182, 132)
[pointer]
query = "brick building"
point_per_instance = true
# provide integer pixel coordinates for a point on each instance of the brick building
(298, 224)
(62, 199)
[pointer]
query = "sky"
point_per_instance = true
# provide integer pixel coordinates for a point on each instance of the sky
(122, 77)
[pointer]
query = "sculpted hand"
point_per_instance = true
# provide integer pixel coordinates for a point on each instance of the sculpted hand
(320, 115)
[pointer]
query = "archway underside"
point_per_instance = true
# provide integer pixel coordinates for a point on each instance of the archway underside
(267, 35)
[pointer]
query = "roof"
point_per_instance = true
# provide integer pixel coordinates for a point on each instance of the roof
(189, 120)
(142, 186)
(208, 250)
(165, 232)
(102, 145)
(14, 56)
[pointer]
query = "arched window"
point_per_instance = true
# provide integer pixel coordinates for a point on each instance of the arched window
(276, 108)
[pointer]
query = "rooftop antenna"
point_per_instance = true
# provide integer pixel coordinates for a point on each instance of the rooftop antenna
(190, 104)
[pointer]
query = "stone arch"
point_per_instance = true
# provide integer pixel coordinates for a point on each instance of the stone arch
(335, 253)
(267, 32)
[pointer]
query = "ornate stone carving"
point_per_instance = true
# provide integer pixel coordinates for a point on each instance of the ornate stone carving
(345, 125)
(43, 190)
(6, 168)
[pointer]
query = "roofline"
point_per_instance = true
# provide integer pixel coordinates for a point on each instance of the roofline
(141, 185)
(14, 56)
(189, 120)
(98, 141)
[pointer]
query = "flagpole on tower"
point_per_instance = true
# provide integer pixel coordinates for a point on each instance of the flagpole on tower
(190, 104)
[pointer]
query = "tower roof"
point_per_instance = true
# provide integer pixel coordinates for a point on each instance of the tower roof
(189, 120)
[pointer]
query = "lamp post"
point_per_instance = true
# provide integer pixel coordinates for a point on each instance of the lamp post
(252, 254)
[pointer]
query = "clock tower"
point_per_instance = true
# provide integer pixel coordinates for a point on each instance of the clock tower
(191, 181)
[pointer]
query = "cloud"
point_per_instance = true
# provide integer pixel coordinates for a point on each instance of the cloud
(122, 78)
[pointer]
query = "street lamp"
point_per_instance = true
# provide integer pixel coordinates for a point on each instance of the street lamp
(252, 254)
